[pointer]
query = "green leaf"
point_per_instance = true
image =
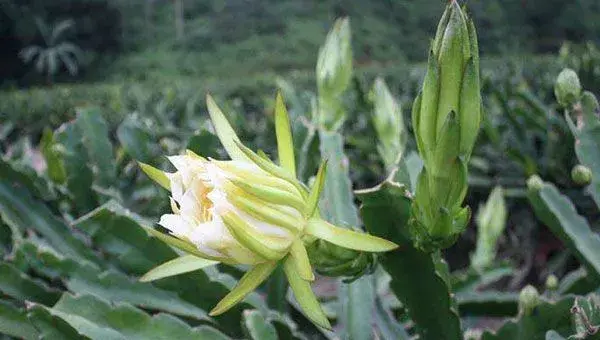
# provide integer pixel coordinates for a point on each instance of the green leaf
(116, 287)
(586, 317)
(276, 290)
(252, 279)
(180, 265)
(347, 238)
(80, 177)
(315, 191)
(94, 131)
(257, 327)
(546, 316)
(50, 326)
(56, 168)
(136, 141)
(28, 178)
(559, 214)
(204, 143)
(127, 245)
(13, 322)
(337, 206)
(156, 175)
(577, 282)
(19, 210)
(587, 135)
(20, 286)
(285, 326)
(285, 143)
(385, 210)
(224, 131)
(97, 319)
(488, 303)
(387, 326)
(305, 296)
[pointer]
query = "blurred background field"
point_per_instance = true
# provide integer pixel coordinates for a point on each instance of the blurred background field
(134, 74)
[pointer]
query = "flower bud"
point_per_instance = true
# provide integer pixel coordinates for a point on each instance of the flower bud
(581, 175)
(529, 298)
(446, 117)
(334, 64)
(567, 88)
(334, 261)
(388, 123)
(491, 221)
(552, 282)
(535, 183)
(450, 85)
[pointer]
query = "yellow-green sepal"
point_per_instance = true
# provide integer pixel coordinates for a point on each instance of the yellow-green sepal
(270, 167)
(299, 256)
(252, 279)
(347, 238)
(315, 192)
(156, 175)
(454, 52)
(470, 108)
(270, 194)
(179, 265)
(267, 247)
(426, 117)
(252, 176)
(224, 131)
(304, 295)
(265, 212)
(285, 143)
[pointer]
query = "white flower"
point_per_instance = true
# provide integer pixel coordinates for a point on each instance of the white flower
(202, 193)
(249, 211)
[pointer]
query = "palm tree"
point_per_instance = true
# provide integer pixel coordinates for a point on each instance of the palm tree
(56, 50)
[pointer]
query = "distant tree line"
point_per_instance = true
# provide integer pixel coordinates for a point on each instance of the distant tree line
(384, 30)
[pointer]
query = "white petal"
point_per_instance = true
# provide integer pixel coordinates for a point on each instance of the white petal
(176, 186)
(180, 162)
(177, 225)
(190, 205)
(188, 167)
(212, 236)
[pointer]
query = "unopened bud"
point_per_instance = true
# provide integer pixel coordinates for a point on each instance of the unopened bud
(551, 282)
(446, 118)
(581, 175)
(334, 261)
(334, 65)
(567, 88)
(535, 183)
(529, 298)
